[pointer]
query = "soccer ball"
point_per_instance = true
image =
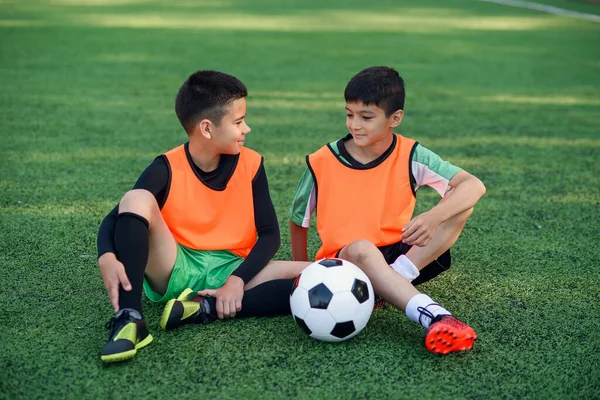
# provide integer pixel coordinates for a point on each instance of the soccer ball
(332, 300)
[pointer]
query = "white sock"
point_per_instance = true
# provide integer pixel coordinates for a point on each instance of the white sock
(421, 308)
(406, 268)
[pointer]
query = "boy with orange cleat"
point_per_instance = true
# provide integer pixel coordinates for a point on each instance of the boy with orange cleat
(364, 188)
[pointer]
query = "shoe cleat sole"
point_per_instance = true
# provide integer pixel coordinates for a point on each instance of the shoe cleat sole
(127, 355)
(443, 340)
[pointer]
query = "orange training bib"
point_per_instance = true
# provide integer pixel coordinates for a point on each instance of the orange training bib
(352, 203)
(201, 218)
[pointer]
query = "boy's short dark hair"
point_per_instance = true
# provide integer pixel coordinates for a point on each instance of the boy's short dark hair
(205, 95)
(382, 86)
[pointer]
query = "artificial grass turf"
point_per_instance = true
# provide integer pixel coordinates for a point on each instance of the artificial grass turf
(510, 95)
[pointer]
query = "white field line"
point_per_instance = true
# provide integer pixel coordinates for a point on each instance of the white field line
(546, 8)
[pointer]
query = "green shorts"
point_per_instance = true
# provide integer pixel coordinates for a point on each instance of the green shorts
(197, 270)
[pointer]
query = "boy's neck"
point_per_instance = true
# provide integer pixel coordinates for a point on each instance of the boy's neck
(366, 154)
(204, 156)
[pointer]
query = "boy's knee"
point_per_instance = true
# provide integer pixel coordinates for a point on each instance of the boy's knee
(138, 201)
(358, 251)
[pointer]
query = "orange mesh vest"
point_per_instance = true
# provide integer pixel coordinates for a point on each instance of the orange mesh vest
(372, 204)
(201, 218)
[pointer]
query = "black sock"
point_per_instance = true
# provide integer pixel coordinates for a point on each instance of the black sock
(267, 299)
(131, 248)
(436, 267)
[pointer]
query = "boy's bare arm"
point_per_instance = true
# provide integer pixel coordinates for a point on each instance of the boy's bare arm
(298, 237)
(466, 192)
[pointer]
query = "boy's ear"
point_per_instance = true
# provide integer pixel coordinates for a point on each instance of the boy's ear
(396, 118)
(205, 128)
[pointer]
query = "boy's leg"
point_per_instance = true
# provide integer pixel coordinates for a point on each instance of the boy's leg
(144, 245)
(387, 283)
(277, 270)
(267, 294)
(446, 235)
(447, 333)
(155, 261)
(433, 269)
(267, 299)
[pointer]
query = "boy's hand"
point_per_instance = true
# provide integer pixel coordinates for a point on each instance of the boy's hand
(113, 275)
(420, 230)
(229, 297)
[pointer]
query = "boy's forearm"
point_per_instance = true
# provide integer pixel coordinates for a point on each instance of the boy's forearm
(298, 237)
(263, 251)
(464, 196)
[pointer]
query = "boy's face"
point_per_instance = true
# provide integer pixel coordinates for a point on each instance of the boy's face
(229, 135)
(368, 123)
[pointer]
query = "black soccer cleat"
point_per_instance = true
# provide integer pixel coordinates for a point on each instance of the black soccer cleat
(127, 335)
(187, 309)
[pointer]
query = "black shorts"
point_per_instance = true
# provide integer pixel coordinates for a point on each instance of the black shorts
(392, 251)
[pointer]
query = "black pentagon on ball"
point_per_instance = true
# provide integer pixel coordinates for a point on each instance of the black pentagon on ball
(343, 329)
(360, 290)
(295, 284)
(303, 325)
(319, 296)
(331, 262)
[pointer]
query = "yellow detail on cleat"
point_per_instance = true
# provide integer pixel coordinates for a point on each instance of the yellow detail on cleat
(189, 308)
(129, 332)
(185, 295)
(166, 312)
(126, 355)
(144, 342)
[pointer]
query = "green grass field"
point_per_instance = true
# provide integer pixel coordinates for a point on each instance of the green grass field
(511, 95)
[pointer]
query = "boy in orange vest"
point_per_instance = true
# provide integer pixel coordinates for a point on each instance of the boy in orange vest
(198, 220)
(364, 188)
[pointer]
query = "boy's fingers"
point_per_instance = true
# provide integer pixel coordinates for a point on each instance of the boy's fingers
(113, 294)
(409, 237)
(413, 238)
(226, 310)
(408, 233)
(407, 226)
(417, 239)
(207, 292)
(124, 279)
(238, 305)
(232, 309)
(220, 309)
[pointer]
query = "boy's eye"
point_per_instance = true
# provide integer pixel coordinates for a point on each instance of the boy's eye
(367, 118)
(349, 115)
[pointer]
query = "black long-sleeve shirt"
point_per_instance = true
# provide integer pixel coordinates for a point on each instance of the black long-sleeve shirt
(156, 179)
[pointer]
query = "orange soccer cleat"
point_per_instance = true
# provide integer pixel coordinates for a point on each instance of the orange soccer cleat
(447, 334)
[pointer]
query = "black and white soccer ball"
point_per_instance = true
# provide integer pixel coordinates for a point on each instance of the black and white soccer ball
(332, 300)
